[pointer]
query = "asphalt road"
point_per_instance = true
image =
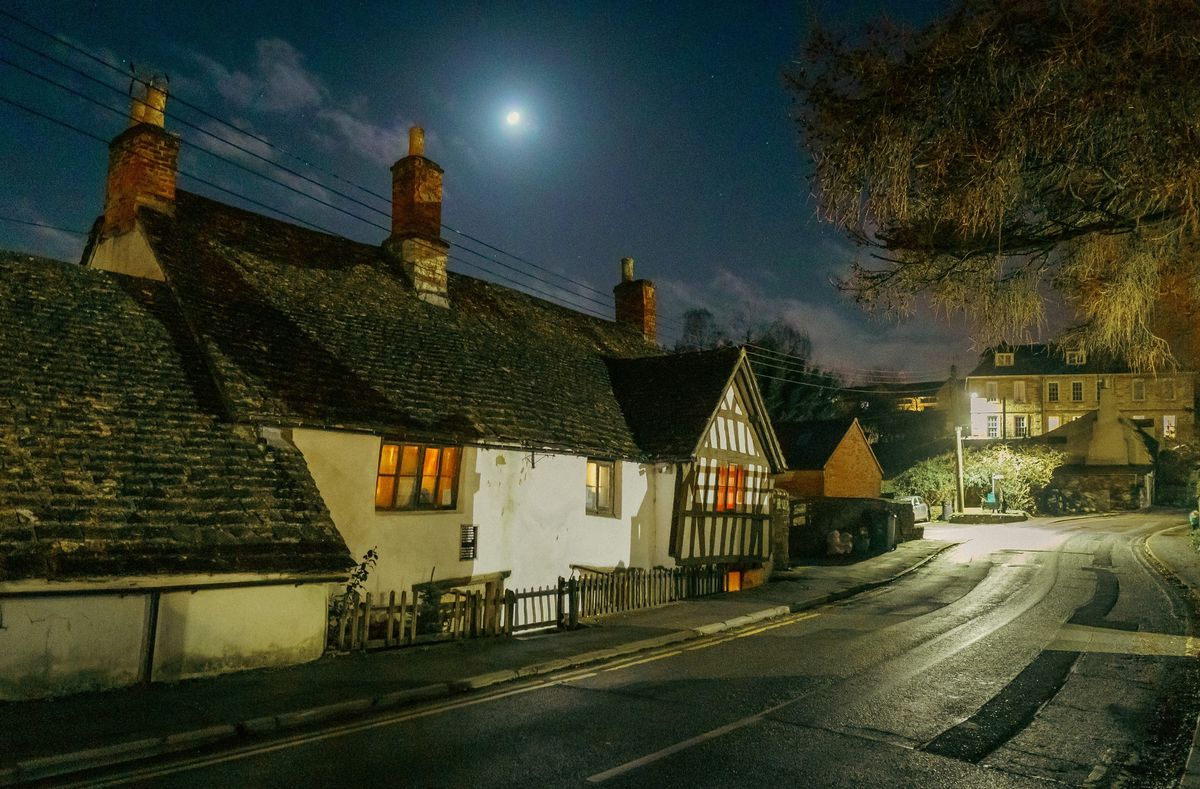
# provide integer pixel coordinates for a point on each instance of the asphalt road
(1032, 653)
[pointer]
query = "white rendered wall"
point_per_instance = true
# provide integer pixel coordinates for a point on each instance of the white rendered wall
(55, 645)
(220, 630)
(531, 515)
(67, 644)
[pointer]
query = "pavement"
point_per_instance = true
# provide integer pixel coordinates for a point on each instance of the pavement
(1173, 550)
(55, 738)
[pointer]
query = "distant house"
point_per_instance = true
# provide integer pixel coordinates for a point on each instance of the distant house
(1109, 463)
(1025, 390)
(229, 405)
(916, 396)
(829, 458)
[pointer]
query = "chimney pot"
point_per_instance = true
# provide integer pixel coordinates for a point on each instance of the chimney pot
(416, 141)
(627, 269)
(150, 103)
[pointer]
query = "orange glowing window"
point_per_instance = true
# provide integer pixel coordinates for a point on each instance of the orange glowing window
(731, 487)
(415, 476)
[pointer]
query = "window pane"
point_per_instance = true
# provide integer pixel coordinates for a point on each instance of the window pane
(384, 487)
(593, 474)
(429, 476)
(387, 458)
(593, 500)
(722, 487)
(404, 491)
(408, 462)
(448, 477)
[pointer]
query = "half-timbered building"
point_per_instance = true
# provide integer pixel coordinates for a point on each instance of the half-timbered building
(703, 413)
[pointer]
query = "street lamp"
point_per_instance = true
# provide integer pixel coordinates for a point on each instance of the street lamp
(958, 469)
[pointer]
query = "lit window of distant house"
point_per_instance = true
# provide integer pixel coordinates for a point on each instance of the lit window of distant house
(731, 488)
(1168, 426)
(1020, 426)
(1052, 392)
(1052, 422)
(1076, 358)
(1139, 389)
(993, 390)
(416, 477)
(1077, 391)
(1004, 360)
(993, 426)
(1168, 389)
(1019, 391)
(600, 487)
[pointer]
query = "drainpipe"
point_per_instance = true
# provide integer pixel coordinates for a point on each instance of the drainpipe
(145, 673)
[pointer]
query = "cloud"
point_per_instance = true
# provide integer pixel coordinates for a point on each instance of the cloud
(380, 144)
(844, 338)
(279, 81)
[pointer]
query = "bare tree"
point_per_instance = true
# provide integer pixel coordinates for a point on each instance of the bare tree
(1016, 153)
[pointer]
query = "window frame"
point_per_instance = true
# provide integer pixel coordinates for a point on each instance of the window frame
(991, 391)
(1019, 392)
(1077, 386)
(1170, 426)
(1076, 358)
(993, 426)
(1020, 426)
(1052, 391)
(729, 492)
(419, 476)
(1005, 358)
(609, 510)
(1137, 390)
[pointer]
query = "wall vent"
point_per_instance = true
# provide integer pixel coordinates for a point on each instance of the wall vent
(468, 542)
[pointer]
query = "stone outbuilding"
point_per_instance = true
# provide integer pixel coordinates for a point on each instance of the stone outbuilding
(828, 458)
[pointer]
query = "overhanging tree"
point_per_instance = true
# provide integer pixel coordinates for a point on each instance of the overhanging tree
(1015, 153)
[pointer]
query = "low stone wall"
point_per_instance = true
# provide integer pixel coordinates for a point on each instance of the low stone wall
(813, 519)
(1078, 490)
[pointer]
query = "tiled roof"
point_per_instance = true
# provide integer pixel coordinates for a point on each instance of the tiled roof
(669, 400)
(304, 328)
(807, 446)
(1043, 359)
(114, 456)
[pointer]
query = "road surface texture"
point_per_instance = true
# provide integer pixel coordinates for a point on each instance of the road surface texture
(1036, 654)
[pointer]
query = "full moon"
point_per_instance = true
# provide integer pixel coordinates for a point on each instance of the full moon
(513, 118)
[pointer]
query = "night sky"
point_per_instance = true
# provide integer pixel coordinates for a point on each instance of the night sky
(659, 131)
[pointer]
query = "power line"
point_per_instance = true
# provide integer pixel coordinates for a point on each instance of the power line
(42, 224)
(553, 297)
(273, 146)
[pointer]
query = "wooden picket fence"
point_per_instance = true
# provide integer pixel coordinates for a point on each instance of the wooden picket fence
(401, 620)
(633, 588)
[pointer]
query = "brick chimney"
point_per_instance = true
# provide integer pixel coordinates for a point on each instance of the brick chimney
(141, 162)
(416, 239)
(635, 302)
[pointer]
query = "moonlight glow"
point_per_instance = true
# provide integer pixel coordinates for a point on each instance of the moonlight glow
(513, 118)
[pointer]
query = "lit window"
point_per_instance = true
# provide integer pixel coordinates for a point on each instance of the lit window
(416, 477)
(600, 487)
(1077, 391)
(731, 488)
(993, 426)
(1139, 389)
(1052, 422)
(1004, 360)
(1019, 391)
(1020, 429)
(1168, 426)
(1052, 392)
(993, 391)
(1076, 358)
